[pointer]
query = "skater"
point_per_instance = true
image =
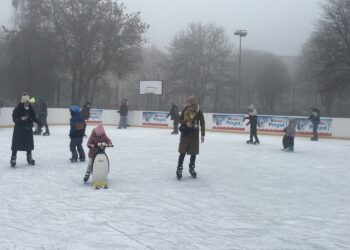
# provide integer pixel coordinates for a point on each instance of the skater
(253, 122)
(42, 116)
(123, 111)
(22, 140)
(315, 119)
(190, 119)
(288, 138)
(174, 115)
(98, 135)
(76, 134)
(85, 112)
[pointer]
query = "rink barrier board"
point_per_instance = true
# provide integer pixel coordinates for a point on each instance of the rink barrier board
(339, 130)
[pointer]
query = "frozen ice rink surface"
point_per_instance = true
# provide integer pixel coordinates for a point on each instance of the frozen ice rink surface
(245, 196)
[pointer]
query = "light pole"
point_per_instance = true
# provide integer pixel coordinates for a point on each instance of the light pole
(240, 33)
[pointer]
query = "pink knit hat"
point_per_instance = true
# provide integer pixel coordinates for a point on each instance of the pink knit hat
(99, 130)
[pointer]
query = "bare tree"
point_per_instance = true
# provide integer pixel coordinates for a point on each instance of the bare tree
(94, 36)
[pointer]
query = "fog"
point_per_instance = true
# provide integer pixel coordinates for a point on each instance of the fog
(277, 26)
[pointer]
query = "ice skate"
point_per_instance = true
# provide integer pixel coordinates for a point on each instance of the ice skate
(30, 160)
(86, 177)
(179, 172)
(13, 161)
(249, 142)
(193, 172)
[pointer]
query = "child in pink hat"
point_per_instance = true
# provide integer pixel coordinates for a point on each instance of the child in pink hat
(97, 136)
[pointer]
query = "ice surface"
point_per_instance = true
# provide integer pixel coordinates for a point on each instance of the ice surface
(245, 196)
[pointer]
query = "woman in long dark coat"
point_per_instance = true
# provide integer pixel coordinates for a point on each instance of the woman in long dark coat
(22, 140)
(190, 119)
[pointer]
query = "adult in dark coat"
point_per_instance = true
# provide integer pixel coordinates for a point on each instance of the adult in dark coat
(253, 122)
(123, 111)
(174, 115)
(22, 140)
(315, 119)
(189, 141)
(76, 134)
(85, 111)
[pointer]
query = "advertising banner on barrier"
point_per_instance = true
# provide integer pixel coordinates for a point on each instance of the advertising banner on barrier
(272, 123)
(324, 128)
(278, 123)
(155, 119)
(95, 116)
(228, 122)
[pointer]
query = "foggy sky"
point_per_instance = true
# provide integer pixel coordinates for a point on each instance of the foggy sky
(277, 26)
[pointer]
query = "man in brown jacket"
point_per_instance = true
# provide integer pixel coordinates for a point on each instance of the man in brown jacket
(191, 118)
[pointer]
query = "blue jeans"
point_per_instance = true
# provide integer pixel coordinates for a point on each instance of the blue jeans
(123, 122)
(314, 131)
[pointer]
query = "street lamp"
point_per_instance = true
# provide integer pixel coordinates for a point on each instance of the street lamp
(240, 33)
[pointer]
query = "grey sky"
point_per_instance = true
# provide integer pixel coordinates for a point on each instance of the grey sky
(278, 26)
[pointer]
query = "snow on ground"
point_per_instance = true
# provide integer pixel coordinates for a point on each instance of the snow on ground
(245, 196)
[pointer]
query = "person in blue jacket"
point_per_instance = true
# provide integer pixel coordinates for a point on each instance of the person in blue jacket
(76, 134)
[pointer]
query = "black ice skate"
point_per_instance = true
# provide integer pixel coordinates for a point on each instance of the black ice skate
(13, 161)
(30, 160)
(256, 143)
(86, 177)
(193, 172)
(179, 172)
(249, 142)
(73, 159)
(46, 134)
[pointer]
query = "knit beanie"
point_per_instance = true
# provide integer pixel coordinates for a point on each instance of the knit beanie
(99, 130)
(192, 100)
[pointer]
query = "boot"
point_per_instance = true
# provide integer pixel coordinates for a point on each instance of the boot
(73, 159)
(86, 177)
(13, 161)
(256, 143)
(46, 134)
(193, 172)
(250, 142)
(30, 160)
(179, 172)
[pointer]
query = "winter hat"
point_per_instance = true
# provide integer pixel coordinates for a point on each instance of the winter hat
(251, 106)
(25, 98)
(99, 130)
(192, 100)
(74, 109)
(32, 100)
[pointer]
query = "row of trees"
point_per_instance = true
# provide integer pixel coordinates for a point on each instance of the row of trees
(71, 51)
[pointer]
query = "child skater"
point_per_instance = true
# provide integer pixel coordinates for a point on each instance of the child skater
(288, 138)
(253, 122)
(97, 136)
(76, 134)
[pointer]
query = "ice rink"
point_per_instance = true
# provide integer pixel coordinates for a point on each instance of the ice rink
(245, 196)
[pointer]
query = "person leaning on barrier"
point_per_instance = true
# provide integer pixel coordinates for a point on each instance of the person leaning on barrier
(174, 115)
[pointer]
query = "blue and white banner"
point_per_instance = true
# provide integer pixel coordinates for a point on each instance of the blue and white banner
(95, 116)
(155, 118)
(272, 123)
(228, 122)
(324, 128)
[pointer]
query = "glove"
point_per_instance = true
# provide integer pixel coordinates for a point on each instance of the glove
(23, 118)
(202, 139)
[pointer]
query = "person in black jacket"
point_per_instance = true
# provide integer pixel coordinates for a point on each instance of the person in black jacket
(76, 134)
(253, 122)
(123, 111)
(22, 140)
(315, 119)
(41, 113)
(174, 115)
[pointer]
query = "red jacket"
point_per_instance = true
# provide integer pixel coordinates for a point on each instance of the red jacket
(94, 140)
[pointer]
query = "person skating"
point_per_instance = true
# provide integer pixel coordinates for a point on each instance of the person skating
(253, 122)
(42, 116)
(174, 115)
(191, 118)
(98, 135)
(288, 138)
(315, 119)
(76, 134)
(22, 140)
(85, 112)
(123, 111)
